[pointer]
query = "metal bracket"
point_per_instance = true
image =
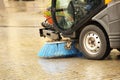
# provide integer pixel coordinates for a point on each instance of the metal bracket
(68, 45)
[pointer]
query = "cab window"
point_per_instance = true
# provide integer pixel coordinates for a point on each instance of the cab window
(70, 12)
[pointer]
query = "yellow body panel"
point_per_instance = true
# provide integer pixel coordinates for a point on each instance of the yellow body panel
(107, 1)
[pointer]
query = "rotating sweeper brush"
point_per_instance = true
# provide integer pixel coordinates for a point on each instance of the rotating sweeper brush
(57, 47)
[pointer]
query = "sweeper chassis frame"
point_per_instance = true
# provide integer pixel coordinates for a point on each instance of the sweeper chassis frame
(99, 36)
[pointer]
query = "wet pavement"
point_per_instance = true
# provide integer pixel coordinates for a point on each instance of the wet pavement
(23, 13)
(20, 43)
(19, 60)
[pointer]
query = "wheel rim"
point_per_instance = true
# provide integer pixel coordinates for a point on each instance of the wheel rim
(92, 42)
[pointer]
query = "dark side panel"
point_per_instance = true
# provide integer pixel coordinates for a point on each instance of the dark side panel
(114, 25)
(114, 18)
(109, 18)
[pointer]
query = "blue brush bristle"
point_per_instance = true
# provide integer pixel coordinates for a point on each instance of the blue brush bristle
(50, 50)
(66, 52)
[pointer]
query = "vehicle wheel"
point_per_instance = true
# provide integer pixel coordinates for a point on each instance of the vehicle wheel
(94, 43)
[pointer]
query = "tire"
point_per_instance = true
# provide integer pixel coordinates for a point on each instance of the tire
(94, 43)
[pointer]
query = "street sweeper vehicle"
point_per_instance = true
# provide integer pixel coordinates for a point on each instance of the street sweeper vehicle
(93, 24)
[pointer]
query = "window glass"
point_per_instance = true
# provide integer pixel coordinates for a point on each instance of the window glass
(69, 12)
